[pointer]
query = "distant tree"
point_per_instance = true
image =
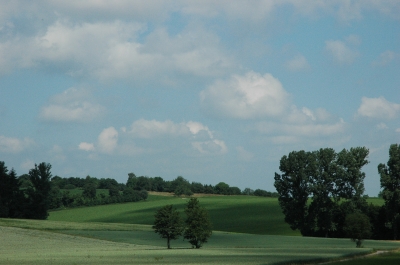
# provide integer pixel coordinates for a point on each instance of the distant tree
(248, 191)
(168, 224)
(113, 191)
(234, 191)
(132, 179)
(38, 194)
(183, 190)
(55, 197)
(197, 187)
(358, 227)
(142, 183)
(222, 188)
(198, 224)
(158, 184)
(89, 191)
(390, 182)
(208, 189)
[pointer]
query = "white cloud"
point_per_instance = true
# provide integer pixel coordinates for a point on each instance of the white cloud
(245, 97)
(108, 140)
(382, 126)
(378, 108)
(386, 58)
(86, 146)
(73, 105)
(14, 145)
(341, 52)
(298, 63)
(108, 50)
(200, 136)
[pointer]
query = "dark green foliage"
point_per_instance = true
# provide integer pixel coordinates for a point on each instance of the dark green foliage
(89, 191)
(168, 224)
(357, 227)
(198, 224)
(55, 197)
(390, 182)
(197, 187)
(327, 178)
(69, 187)
(38, 194)
(222, 188)
(11, 197)
(113, 191)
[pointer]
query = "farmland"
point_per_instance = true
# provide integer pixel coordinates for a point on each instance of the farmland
(248, 230)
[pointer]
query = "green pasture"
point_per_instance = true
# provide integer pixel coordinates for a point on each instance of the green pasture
(243, 214)
(247, 230)
(59, 242)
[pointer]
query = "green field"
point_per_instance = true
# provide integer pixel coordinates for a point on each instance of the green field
(251, 230)
(243, 214)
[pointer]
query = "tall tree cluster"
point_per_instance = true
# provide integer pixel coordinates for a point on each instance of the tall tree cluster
(318, 189)
(390, 183)
(32, 201)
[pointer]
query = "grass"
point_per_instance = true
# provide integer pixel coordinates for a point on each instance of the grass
(244, 214)
(252, 231)
(27, 246)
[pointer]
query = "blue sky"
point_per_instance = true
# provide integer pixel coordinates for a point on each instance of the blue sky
(209, 90)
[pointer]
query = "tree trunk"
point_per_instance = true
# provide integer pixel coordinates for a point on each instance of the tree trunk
(168, 243)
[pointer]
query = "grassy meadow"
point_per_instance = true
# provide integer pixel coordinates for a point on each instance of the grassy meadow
(248, 230)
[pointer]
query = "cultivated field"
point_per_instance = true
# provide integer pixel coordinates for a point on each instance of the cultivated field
(122, 234)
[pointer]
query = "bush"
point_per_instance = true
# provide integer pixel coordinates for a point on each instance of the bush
(357, 227)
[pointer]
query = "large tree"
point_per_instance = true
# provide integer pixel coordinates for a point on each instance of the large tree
(314, 183)
(11, 198)
(293, 187)
(198, 224)
(390, 182)
(38, 193)
(168, 223)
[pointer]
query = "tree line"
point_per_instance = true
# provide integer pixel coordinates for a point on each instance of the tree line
(32, 195)
(322, 192)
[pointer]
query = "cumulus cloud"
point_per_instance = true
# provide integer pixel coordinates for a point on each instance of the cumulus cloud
(249, 96)
(14, 145)
(298, 63)
(72, 105)
(198, 135)
(343, 52)
(108, 140)
(108, 50)
(386, 58)
(86, 146)
(378, 108)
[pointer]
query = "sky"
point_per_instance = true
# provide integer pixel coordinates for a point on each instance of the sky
(214, 91)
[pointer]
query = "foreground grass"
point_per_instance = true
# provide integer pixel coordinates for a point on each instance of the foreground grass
(26, 246)
(244, 214)
(60, 242)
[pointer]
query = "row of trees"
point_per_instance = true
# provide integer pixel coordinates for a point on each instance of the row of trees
(196, 228)
(32, 195)
(318, 190)
(181, 186)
